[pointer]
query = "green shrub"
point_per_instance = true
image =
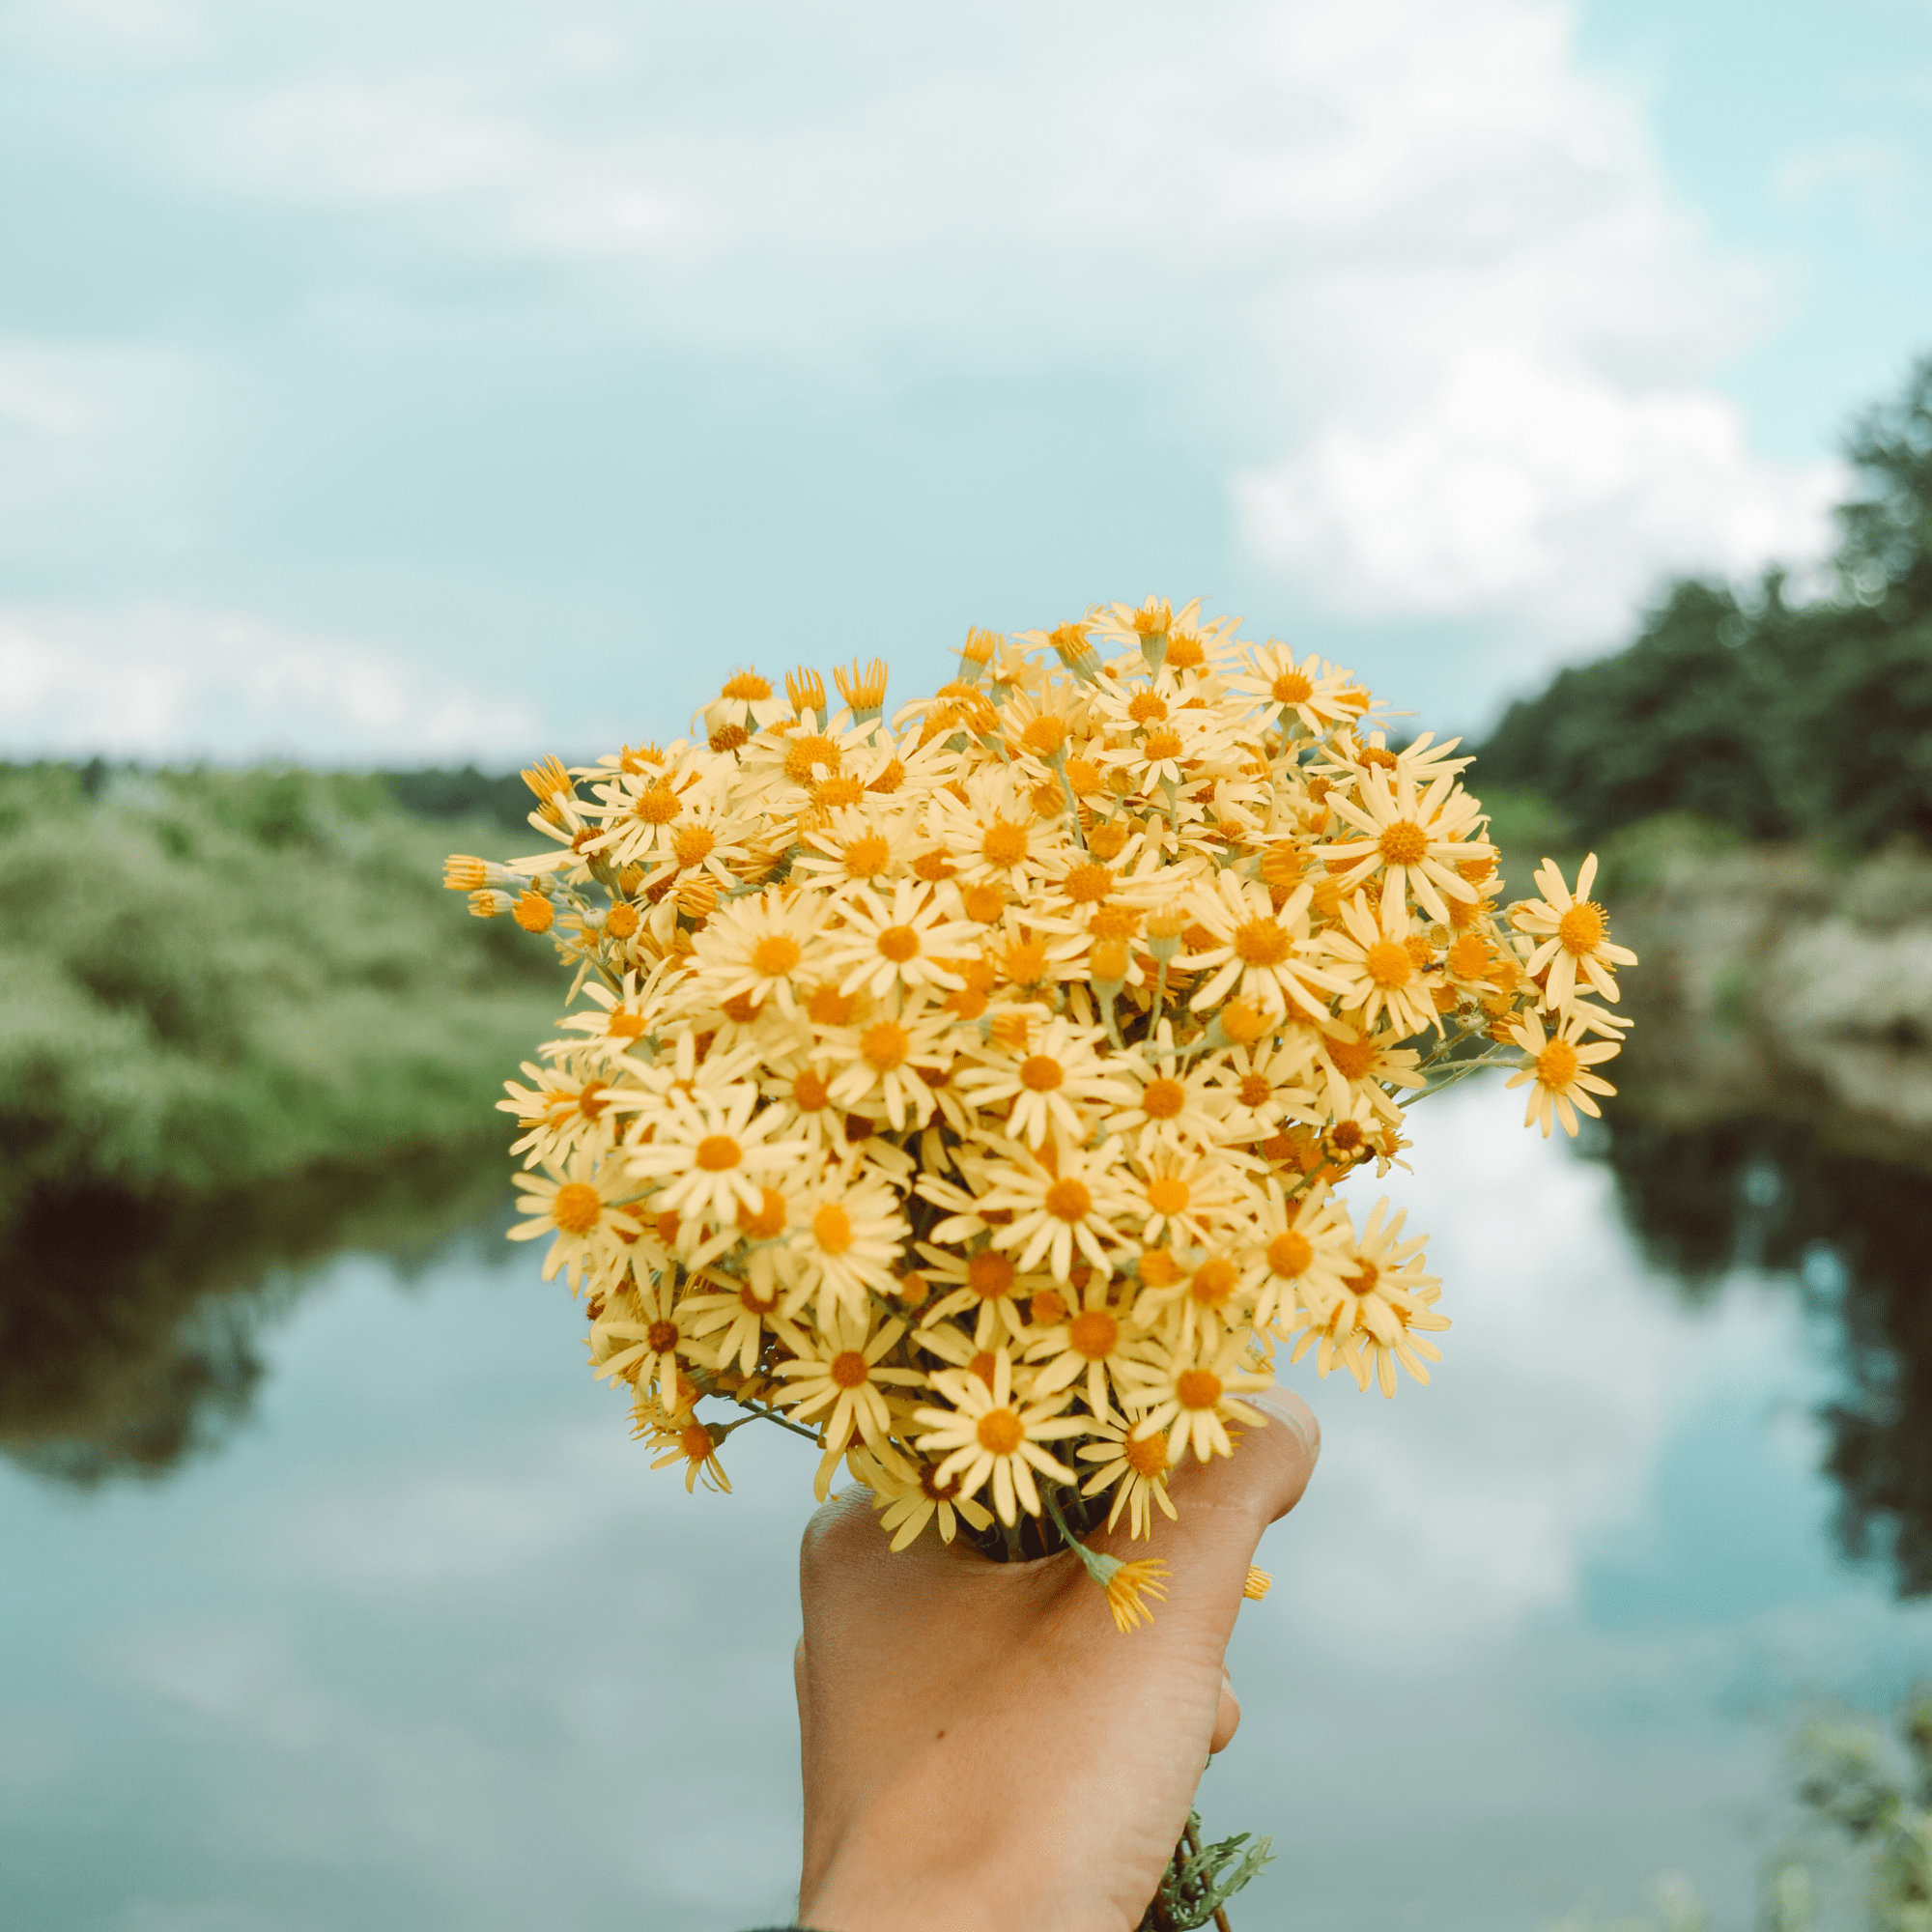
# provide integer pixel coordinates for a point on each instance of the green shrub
(210, 980)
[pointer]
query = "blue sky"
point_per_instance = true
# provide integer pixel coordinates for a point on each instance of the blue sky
(424, 380)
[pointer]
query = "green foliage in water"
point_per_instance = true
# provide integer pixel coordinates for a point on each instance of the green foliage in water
(1781, 718)
(1869, 1795)
(211, 980)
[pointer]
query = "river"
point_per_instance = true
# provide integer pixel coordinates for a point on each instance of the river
(422, 1643)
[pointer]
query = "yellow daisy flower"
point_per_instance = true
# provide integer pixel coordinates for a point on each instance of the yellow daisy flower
(1044, 1084)
(1193, 1400)
(909, 1495)
(1257, 951)
(1098, 1336)
(1575, 935)
(581, 1207)
(1415, 841)
(767, 947)
(1559, 1065)
(987, 1437)
(711, 1156)
(1062, 1199)
(1135, 1463)
(905, 944)
(1376, 970)
(843, 1375)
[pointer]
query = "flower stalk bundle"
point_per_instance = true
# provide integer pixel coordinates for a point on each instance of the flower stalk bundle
(967, 1087)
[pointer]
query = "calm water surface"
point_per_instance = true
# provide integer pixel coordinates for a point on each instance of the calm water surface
(428, 1645)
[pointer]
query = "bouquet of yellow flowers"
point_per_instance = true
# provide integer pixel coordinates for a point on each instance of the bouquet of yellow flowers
(967, 1090)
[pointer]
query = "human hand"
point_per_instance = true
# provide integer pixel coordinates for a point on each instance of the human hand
(981, 1747)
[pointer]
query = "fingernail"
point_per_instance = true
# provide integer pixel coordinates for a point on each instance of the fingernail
(1288, 1407)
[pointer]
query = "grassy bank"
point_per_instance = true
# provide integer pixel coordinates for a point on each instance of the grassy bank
(212, 981)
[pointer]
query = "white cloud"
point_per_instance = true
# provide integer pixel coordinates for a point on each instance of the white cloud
(1413, 269)
(155, 681)
(1531, 487)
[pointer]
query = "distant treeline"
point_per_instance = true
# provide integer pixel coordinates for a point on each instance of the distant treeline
(1778, 717)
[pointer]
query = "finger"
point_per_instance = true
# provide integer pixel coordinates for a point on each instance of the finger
(1227, 1715)
(1266, 1476)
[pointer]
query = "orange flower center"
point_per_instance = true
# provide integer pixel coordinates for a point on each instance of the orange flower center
(808, 750)
(692, 844)
(1093, 1333)
(1163, 742)
(1557, 1063)
(718, 1151)
(1388, 964)
(1196, 1389)
(884, 1045)
(1402, 843)
(1353, 1058)
(1364, 1281)
(1000, 1431)
(661, 1336)
(1254, 1089)
(1168, 1195)
(850, 1369)
(1213, 1282)
(1582, 928)
(1046, 1308)
(1145, 1455)
(1025, 962)
(1159, 1268)
(989, 1276)
(1005, 844)
(1041, 1073)
(982, 903)
(1148, 707)
(575, 1207)
(1243, 1022)
(1290, 1252)
(809, 1092)
(765, 1222)
(829, 1007)
(1163, 1098)
(656, 804)
(1044, 735)
(831, 1229)
(898, 944)
(866, 855)
(1070, 1200)
(1261, 942)
(775, 955)
(1088, 885)
(1291, 687)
